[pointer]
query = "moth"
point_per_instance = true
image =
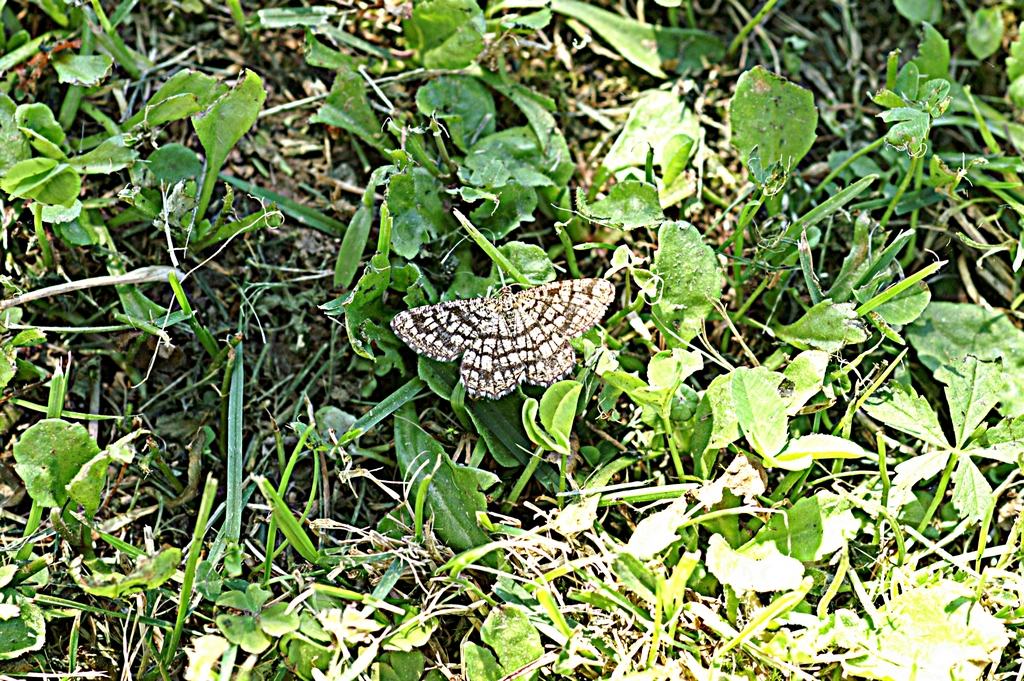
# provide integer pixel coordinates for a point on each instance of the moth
(514, 337)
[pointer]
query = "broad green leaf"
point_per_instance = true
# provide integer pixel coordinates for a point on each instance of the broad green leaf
(22, 627)
(1003, 442)
(221, 125)
(805, 375)
(692, 279)
(716, 422)
(972, 390)
(658, 121)
(760, 410)
(399, 666)
(558, 412)
(913, 471)
(44, 179)
(13, 145)
(414, 201)
(629, 204)
(909, 129)
(185, 93)
(111, 155)
(827, 326)
(244, 631)
(653, 48)
(452, 497)
(348, 107)
(513, 155)
(906, 306)
(148, 573)
(813, 529)
(933, 631)
(86, 487)
(985, 32)
(656, 532)
(802, 451)
(773, 116)
(480, 664)
(755, 567)
(44, 132)
(917, 11)
(512, 636)
(173, 163)
(900, 407)
(946, 333)
(503, 210)
(445, 34)
(932, 52)
(8, 364)
(530, 259)
(81, 69)
(972, 494)
(463, 104)
(49, 455)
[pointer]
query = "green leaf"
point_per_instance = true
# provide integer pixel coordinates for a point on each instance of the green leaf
(946, 333)
(972, 495)
(348, 107)
(558, 412)
(691, 275)
(414, 201)
(43, 179)
(530, 259)
(172, 163)
(111, 155)
(1015, 61)
(907, 305)
(446, 34)
(805, 375)
(86, 487)
(933, 631)
(802, 451)
(653, 48)
(827, 326)
(480, 664)
(972, 390)
(244, 631)
(504, 210)
(399, 666)
(932, 53)
(910, 132)
(463, 104)
(629, 204)
(813, 529)
(511, 634)
(900, 407)
(13, 145)
(81, 69)
(755, 567)
(49, 455)
(276, 620)
(513, 155)
(149, 572)
(985, 32)
(656, 119)
(452, 497)
(917, 11)
(221, 125)
(44, 132)
(22, 627)
(760, 411)
(717, 424)
(185, 93)
(774, 116)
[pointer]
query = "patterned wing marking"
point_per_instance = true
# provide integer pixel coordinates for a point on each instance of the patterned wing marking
(443, 331)
(544, 371)
(495, 363)
(568, 308)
